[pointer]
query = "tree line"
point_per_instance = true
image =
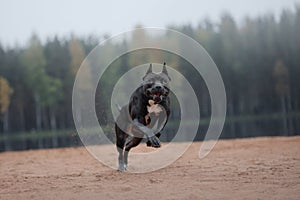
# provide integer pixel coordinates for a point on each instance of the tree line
(258, 60)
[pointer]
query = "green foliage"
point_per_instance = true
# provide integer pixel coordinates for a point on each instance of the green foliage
(34, 62)
(47, 88)
(52, 91)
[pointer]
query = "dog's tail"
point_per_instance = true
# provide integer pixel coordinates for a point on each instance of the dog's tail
(118, 107)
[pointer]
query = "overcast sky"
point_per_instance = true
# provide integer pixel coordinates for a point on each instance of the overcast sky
(20, 18)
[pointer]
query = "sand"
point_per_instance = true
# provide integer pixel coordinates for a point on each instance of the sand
(257, 168)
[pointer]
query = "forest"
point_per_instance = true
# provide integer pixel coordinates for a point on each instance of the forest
(258, 59)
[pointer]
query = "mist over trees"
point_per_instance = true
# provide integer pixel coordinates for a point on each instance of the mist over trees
(258, 59)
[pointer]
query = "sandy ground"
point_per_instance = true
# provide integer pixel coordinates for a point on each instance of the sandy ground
(261, 168)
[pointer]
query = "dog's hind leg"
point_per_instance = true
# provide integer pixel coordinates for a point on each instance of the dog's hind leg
(120, 143)
(132, 143)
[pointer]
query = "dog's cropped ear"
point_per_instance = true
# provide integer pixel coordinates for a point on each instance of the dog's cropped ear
(164, 70)
(148, 71)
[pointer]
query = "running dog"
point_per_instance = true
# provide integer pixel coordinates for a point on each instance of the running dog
(146, 114)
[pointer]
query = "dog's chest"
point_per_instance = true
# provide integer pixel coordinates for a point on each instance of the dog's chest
(153, 109)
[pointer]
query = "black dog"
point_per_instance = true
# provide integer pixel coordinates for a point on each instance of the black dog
(132, 118)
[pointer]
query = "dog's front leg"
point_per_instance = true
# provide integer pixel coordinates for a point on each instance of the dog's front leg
(148, 132)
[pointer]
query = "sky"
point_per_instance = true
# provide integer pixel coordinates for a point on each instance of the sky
(20, 18)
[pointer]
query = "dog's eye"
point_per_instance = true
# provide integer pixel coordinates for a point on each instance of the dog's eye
(149, 82)
(164, 82)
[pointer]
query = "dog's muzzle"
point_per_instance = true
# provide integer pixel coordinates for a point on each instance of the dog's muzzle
(157, 93)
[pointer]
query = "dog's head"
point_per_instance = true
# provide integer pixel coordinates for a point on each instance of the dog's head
(156, 85)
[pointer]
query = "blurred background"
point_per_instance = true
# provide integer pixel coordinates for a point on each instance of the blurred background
(255, 45)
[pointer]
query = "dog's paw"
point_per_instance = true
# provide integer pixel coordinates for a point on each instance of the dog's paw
(154, 142)
(148, 143)
(122, 168)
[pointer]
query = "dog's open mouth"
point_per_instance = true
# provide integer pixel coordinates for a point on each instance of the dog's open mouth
(157, 97)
